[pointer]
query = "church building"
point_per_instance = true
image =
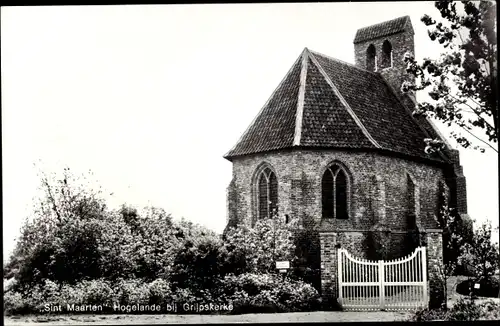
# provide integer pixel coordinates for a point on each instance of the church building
(338, 143)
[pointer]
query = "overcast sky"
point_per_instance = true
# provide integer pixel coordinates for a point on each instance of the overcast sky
(151, 97)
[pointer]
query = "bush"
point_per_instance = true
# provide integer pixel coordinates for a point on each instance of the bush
(159, 292)
(196, 265)
(462, 310)
(307, 265)
(252, 293)
(490, 310)
(255, 250)
(428, 315)
(487, 287)
(90, 292)
(481, 257)
(14, 303)
(131, 292)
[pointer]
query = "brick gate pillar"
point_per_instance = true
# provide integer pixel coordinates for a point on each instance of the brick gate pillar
(329, 269)
(435, 265)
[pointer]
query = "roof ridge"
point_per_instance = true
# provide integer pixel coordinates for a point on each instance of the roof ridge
(344, 62)
(385, 22)
(301, 98)
(387, 27)
(344, 102)
(263, 107)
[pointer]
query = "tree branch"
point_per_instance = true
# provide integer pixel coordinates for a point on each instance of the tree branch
(479, 138)
(473, 110)
(51, 197)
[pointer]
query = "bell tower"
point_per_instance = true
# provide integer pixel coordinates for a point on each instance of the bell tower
(381, 48)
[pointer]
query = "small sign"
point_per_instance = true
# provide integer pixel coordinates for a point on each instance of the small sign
(282, 270)
(283, 264)
(476, 286)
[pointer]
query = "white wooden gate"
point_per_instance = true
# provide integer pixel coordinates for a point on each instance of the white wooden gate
(399, 284)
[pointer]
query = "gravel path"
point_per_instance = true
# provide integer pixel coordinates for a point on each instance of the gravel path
(320, 316)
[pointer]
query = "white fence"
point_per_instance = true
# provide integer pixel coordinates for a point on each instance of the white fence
(399, 284)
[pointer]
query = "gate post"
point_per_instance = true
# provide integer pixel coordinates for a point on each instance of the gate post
(329, 268)
(435, 268)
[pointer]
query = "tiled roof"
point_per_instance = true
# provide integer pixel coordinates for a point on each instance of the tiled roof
(382, 29)
(323, 102)
(274, 126)
(326, 122)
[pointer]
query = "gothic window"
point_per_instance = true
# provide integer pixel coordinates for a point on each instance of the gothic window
(386, 54)
(267, 193)
(371, 58)
(335, 193)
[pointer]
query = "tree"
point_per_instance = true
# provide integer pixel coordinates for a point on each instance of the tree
(256, 249)
(62, 240)
(482, 255)
(455, 236)
(462, 82)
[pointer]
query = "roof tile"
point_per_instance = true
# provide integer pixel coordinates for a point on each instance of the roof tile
(274, 127)
(378, 108)
(327, 120)
(381, 29)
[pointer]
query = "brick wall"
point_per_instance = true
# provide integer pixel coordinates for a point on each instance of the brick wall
(437, 293)
(401, 43)
(456, 182)
(329, 285)
(378, 194)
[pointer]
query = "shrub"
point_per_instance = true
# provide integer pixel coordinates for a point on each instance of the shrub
(196, 265)
(130, 292)
(14, 303)
(255, 250)
(481, 257)
(96, 292)
(490, 310)
(487, 287)
(307, 265)
(89, 292)
(268, 293)
(159, 292)
(462, 310)
(428, 315)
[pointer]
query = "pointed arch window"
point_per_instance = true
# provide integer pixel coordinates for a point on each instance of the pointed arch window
(267, 193)
(386, 54)
(335, 193)
(371, 58)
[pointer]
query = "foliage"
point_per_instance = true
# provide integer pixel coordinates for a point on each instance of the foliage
(201, 261)
(481, 256)
(250, 292)
(256, 249)
(196, 265)
(76, 250)
(73, 236)
(378, 241)
(456, 233)
(462, 310)
(307, 264)
(462, 82)
(487, 287)
(98, 292)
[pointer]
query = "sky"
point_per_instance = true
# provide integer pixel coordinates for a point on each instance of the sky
(151, 97)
